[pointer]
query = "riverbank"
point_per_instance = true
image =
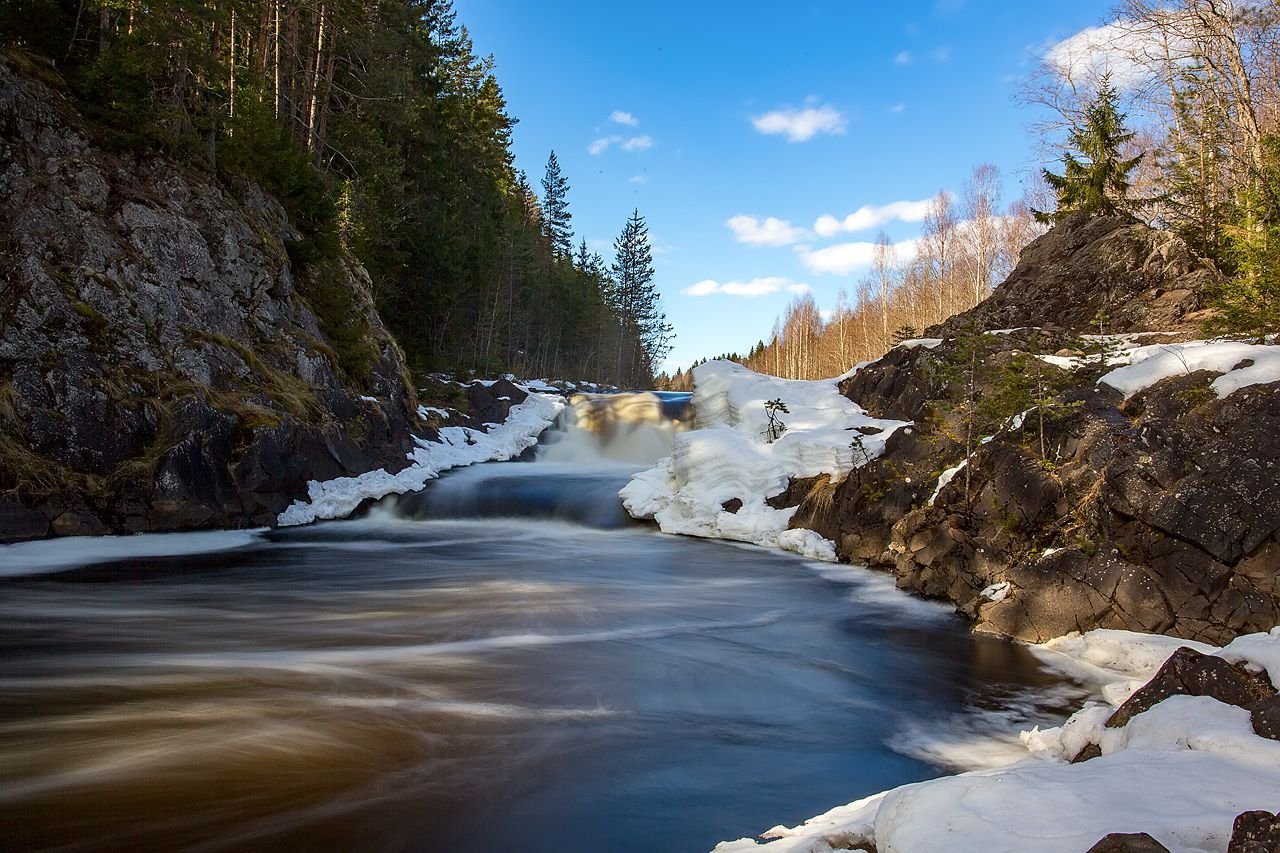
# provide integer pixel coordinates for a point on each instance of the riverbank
(1181, 769)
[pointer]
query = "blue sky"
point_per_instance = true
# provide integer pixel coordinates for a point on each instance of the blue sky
(700, 112)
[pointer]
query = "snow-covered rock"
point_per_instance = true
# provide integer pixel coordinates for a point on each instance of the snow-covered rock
(729, 456)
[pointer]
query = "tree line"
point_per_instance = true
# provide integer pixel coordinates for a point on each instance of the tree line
(385, 136)
(966, 247)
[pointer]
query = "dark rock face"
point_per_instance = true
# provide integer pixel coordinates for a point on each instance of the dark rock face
(1190, 673)
(1128, 842)
(1143, 280)
(1159, 514)
(732, 505)
(159, 369)
(1255, 832)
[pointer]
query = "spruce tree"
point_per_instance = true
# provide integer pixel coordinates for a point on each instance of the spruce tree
(555, 209)
(646, 332)
(1095, 178)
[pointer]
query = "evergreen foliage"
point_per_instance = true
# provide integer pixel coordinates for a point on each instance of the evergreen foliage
(385, 136)
(555, 209)
(646, 334)
(1248, 304)
(1095, 178)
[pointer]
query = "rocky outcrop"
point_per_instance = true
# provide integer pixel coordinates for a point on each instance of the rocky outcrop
(161, 367)
(1138, 278)
(1160, 513)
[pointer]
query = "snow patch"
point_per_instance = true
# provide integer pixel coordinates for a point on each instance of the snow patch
(458, 446)
(1241, 364)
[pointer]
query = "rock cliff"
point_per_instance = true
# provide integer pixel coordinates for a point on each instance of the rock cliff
(1158, 513)
(162, 366)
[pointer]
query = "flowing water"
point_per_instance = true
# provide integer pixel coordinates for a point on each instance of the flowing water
(502, 662)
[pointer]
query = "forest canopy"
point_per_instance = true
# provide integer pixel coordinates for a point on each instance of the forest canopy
(385, 136)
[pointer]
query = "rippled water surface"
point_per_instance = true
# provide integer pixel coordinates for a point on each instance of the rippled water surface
(475, 685)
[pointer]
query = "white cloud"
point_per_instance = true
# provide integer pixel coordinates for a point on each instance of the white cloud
(1133, 54)
(898, 108)
(870, 216)
(844, 258)
(635, 143)
(748, 289)
(769, 232)
(638, 143)
(602, 144)
(800, 125)
(637, 179)
(622, 117)
(903, 58)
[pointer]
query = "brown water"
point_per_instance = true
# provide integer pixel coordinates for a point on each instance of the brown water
(469, 684)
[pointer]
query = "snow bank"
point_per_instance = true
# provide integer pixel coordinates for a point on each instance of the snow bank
(727, 456)
(458, 446)
(1241, 364)
(1181, 771)
(64, 552)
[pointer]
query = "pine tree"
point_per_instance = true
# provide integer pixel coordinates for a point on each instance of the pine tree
(1095, 178)
(555, 209)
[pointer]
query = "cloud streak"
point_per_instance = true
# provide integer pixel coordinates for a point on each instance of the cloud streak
(623, 117)
(752, 289)
(604, 143)
(800, 125)
(872, 216)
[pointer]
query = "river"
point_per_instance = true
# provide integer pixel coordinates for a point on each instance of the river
(501, 663)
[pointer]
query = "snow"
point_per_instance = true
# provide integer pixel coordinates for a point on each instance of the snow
(1150, 364)
(1180, 771)
(52, 555)
(944, 478)
(927, 343)
(458, 446)
(369, 399)
(997, 591)
(728, 456)
(423, 411)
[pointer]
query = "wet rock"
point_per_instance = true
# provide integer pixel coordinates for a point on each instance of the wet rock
(732, 505)
(1088, 753)
(1188, 672)
(1128, 842)
(21, 522)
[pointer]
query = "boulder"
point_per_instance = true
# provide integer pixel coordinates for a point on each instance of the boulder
(1255, 832)
(1188, 672)
(1140, 278)
(1128, 842)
